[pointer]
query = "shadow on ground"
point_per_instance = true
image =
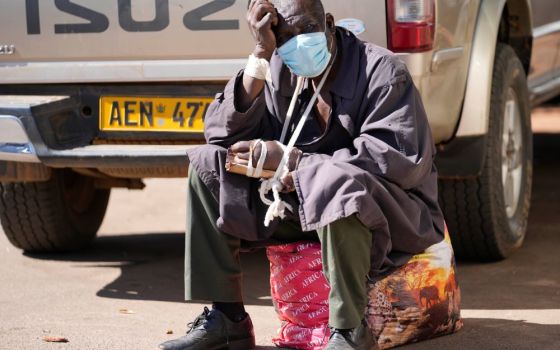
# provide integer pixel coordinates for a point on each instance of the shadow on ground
(152, 267)
(484, 334)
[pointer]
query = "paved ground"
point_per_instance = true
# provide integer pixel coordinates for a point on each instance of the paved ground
(136, 265)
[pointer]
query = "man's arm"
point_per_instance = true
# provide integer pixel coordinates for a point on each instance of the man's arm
(239, 113)
(261, 16)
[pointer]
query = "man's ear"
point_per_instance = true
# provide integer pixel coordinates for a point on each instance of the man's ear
(331, 26)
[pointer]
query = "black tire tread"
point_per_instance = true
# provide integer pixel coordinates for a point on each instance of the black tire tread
(34, 217)
(464, 203)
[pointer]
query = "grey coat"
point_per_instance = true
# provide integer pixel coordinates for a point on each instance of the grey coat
(385, 174)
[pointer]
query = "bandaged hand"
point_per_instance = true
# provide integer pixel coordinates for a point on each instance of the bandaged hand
(260, 159)
(253, 150)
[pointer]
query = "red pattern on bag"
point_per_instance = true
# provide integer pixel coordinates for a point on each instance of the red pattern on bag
(300, 293)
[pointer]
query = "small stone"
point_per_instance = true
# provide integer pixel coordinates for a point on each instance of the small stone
(54, 339)
(126, 311)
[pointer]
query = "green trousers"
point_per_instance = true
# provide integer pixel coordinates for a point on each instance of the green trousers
(213, 269)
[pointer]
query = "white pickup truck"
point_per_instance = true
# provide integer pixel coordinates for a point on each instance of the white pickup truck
(101, 94)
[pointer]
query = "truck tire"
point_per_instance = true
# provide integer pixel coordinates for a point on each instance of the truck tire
(487, 215)
(60, 215)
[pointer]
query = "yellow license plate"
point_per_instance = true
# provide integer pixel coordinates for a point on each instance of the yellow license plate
(163, 114)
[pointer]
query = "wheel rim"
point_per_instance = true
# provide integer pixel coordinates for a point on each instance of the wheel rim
(512, 154)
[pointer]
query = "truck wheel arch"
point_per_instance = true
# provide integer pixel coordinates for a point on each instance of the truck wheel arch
(474, 117)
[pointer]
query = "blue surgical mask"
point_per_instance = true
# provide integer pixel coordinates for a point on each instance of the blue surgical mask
(306, 55)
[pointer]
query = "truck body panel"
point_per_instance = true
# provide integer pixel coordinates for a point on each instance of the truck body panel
(170, 40)
(442, 79)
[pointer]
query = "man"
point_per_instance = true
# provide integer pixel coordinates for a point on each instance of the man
(360, 179)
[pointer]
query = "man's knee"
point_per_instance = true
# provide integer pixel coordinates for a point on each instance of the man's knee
(195, 184)
(193, 177)
(350, 226)
(205, 167)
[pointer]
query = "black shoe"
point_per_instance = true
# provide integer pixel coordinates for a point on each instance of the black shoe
(212, 330)
(359, 338)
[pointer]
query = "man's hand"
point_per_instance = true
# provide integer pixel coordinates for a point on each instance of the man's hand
(274, 153)
(261, 16)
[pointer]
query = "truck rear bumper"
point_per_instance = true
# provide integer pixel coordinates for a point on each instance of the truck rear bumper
(123, 156)
(21, 141)
(15, 144)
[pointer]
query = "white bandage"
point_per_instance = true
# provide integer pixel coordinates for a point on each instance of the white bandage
(258, 68)
(257, 172)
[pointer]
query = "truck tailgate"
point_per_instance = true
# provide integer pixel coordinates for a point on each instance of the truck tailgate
(142, 40)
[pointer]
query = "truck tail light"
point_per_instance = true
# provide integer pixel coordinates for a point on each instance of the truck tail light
(410, 25)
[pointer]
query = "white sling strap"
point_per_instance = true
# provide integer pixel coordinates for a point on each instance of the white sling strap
(287, 122)
(278, 206)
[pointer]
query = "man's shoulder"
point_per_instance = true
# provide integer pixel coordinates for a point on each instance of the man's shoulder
(382, 64)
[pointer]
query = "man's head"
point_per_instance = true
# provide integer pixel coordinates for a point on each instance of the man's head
(297, 17)
(303, 35)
